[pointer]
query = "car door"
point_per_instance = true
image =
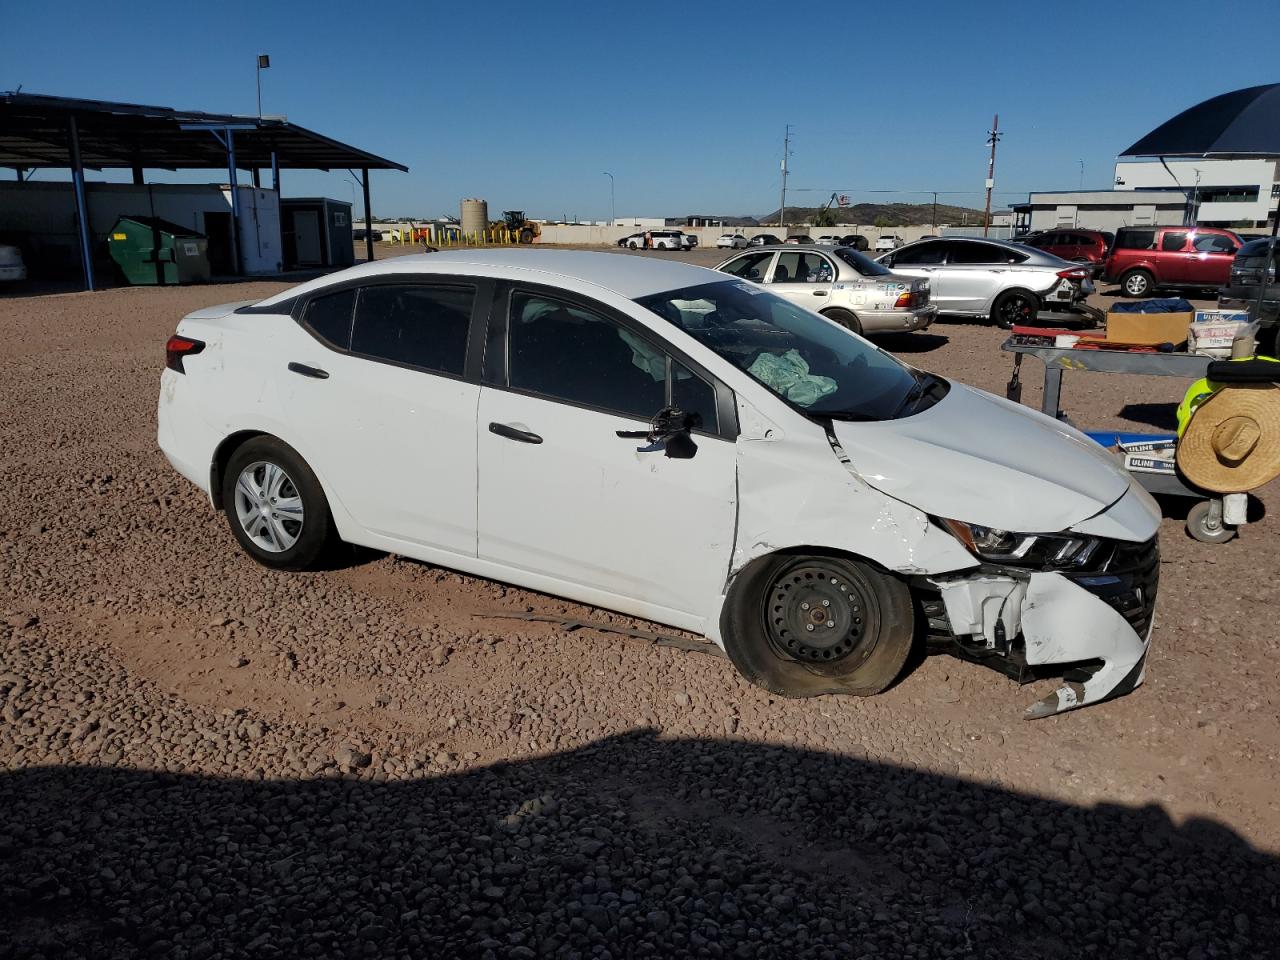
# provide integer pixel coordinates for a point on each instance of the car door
(975, 272)
(923, 260)
(803, 278)
(382, 392)
(1209, 258)
(586, 512)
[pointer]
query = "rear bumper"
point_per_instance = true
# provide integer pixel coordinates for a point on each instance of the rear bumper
(187, 441)
(898, 321)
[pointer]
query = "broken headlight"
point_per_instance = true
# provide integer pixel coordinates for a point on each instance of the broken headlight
(1042, 550)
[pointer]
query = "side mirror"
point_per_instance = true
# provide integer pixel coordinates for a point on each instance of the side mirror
(672, 427)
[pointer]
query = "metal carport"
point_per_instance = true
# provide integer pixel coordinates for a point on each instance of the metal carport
(46, 132)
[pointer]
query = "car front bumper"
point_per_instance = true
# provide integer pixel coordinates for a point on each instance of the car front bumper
(1094, 628)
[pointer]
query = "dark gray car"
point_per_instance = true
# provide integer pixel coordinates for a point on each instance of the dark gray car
(1008, 282)
(1241, 291)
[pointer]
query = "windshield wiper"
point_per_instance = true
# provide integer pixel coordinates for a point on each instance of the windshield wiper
(850, 415)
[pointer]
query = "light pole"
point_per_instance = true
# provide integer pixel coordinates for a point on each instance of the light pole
(264, 63)
(1081, 174)
(613, 210)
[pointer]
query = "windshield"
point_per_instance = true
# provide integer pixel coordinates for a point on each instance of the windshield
(864, 265)
(812, 363)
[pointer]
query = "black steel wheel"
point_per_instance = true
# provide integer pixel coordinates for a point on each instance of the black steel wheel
(1015, 307)
(803, 625)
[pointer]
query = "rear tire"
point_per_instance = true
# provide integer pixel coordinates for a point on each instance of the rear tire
(846, 318)
(276, 507)
(806, 625)
(1015, 307)
(1137, 283)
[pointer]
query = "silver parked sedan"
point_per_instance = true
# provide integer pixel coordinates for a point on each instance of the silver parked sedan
(1008, 282)
(841, 284)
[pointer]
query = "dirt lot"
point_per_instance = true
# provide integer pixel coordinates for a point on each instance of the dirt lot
(203, 758)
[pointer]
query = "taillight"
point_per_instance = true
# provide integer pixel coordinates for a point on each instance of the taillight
(903, 301)
(179, 347)
(1075, 273)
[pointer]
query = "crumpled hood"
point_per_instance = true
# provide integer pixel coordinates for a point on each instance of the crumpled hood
(981, 459)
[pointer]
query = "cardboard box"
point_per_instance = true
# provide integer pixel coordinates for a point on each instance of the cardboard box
(1148, 329)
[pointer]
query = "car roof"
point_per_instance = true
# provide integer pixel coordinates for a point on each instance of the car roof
(626, 275)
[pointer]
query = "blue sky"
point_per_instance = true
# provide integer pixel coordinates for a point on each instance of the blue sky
(526, 104)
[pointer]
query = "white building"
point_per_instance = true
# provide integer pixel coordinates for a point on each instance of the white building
(1241, 193)
(1106, 210)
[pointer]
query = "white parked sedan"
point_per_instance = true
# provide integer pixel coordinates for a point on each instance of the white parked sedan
(841, 284)
(672, 443)
(733, 241)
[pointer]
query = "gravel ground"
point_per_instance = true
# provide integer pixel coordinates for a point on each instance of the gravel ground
(202, 758)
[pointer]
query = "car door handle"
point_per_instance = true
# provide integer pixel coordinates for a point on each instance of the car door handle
(820, 293)
(314, 373)
(514, 433)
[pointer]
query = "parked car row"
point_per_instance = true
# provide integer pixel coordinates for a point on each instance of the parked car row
(736, 241)
(659, 240)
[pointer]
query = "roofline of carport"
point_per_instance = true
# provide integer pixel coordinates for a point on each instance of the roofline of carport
(49, 119)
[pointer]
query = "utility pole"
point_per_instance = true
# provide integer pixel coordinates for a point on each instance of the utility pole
(993, 137)
(934, 224)
(1081, 174)
(786, 151)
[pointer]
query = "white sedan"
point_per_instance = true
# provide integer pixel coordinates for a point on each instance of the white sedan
(732, 241)
(672, 443)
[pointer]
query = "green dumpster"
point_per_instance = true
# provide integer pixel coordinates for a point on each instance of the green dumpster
(152, 251)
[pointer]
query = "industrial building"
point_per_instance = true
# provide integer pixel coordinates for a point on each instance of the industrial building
(1239, 193)
(63, 226)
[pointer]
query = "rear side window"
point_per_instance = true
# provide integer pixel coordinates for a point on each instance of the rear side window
(1172, 242)
(329, 318)
(1136, 240)
(421, 326)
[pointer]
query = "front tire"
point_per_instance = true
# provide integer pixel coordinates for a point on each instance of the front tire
(1137, 283)
(276, 507)
(1015, 307)
(805, 625)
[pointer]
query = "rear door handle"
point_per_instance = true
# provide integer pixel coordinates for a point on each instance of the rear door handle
(314, 373)
(820, 293)
(514, 433)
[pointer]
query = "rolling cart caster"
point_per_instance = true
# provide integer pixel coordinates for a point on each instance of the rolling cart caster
(1204, 522)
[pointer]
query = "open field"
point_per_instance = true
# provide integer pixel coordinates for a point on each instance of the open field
(204, 758)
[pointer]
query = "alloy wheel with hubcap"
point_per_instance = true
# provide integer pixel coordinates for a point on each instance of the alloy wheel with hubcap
(269, 506)
(1015, 307)
(1136, 284)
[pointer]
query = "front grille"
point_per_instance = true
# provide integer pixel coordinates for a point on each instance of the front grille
(1128, 582)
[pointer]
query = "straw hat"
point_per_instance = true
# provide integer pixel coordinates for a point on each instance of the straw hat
(1232, 443)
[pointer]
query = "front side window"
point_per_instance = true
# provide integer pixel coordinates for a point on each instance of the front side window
(1214, 243)
(923, 254)
(421, 326)
(751, 267)
(812, 363)
(565, 352)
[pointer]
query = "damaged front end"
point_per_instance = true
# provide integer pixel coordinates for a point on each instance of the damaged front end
(1089, 622)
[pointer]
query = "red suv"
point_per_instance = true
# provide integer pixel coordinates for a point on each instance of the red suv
(1145, 259)
(1082, 246)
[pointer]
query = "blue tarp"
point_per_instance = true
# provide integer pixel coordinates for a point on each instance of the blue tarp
(1158, 305)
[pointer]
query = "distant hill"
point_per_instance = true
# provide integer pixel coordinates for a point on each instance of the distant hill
(891, 214)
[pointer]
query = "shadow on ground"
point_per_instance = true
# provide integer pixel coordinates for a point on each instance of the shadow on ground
(910, 342)
(635, 846)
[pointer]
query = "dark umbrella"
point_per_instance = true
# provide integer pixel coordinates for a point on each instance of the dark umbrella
(1242, 123)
